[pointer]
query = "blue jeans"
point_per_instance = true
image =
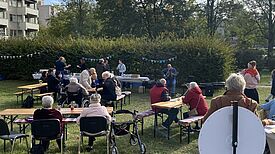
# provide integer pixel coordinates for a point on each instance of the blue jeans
(172, 116)
(171, 85)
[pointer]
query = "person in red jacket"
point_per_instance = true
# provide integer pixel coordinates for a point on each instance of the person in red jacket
(195, 99)
(159, 93)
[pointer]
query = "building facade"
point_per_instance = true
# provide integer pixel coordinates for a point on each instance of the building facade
(18, 18)
(45, 13)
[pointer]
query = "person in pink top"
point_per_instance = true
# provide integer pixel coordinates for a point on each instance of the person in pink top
(252, 79)
(194, 99)
(95, 109)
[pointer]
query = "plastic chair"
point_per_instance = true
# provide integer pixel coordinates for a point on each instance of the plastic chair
(47, 129)
(93, 127)
(5, 134)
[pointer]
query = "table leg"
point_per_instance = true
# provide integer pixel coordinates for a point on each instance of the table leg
(121, 103)
(11, 121)
(22, 96)
(155, 123)
(32, 92)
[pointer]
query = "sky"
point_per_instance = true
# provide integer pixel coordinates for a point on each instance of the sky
(50, 2)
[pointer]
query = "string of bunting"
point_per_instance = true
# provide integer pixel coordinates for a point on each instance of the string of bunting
(93, 59)
(159, 61)
(20, 56)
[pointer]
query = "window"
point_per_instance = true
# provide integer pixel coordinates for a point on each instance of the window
(2, 31)
(15, 3)
(2, 15)
(12, 32)
(16, 18)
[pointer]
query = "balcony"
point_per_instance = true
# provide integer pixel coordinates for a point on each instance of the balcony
(24, 26)
(23, 10)
(3, 5)
(4, 21)
(31, 11)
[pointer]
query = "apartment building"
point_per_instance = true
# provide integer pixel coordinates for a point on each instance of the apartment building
(18, 18)
(45, 13)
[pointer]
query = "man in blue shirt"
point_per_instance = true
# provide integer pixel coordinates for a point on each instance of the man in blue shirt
(269, 106)
(170, 74)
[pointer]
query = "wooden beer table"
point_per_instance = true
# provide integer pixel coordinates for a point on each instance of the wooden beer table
(173, 103)
(31, 87)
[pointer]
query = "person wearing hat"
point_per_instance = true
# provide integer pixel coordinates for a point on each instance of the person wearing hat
(47, 112)
(85, 77)
(252, 79)
(95, 109)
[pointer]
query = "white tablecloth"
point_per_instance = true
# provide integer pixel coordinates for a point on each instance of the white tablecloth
(131, 79)
(270, 137)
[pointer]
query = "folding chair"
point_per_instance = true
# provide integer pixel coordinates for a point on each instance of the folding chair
(47, 129)
(5, 134)
(93, 127)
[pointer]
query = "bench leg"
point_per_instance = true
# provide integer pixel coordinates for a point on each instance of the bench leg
(142, 123)
(181, 133)
(188, 133)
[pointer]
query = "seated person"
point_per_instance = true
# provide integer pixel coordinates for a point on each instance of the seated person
(76, 91)
(43, 79)
(95, 109)
(270, 107)
(53, 83)
(235, 85)
(108, 93)
(195, 100)
(47, 112)
(159, 93)
(95, 82)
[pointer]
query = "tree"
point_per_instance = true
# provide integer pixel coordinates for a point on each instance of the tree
(264, 10)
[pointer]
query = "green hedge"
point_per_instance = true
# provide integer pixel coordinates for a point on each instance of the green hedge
(207, 59)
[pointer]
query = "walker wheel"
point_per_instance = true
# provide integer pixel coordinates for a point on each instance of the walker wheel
(114, 150)
(133, 140)
(142, 148)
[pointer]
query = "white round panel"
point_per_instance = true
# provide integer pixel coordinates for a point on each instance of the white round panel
(216, 134)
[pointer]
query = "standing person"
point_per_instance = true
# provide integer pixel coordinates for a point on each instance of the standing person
(170, 74)
(60, 65)
(85, 77)
(272, 92)
(235, 85)
(82, 65)
(159, 93)
(53, 83)
(95, 109)
(100, 68)
(44, 79)
(47, 112)
(121, 68)
(252, 79)
(106, 65)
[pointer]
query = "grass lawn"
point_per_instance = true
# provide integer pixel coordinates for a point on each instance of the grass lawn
(139, 102)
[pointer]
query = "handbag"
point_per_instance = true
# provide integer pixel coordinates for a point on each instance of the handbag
(194, 112)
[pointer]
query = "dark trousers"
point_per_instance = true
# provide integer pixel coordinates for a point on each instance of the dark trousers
(172, 116)
(91, 141)
(252, 93)
(46, 143)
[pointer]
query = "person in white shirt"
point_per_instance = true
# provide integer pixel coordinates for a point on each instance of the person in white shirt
(95, 109)
(121, 68)
(252, 79)
(85, 77)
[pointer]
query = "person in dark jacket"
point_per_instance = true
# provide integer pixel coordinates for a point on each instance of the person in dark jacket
(53, 83)
(47, 112)
(60, 65)
(82, 66)
(159, 93)
(272, 92)
(108, 93)
(170, 74)
(44, 79)
(100, 68)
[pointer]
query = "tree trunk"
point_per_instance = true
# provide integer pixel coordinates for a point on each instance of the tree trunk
(270, 34)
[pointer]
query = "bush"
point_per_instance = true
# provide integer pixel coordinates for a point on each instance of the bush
(208, 59)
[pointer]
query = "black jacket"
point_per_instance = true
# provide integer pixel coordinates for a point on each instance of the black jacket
(109, 92)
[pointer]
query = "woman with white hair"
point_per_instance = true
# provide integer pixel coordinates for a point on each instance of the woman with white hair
(195, 100)
(76, 90)
(95, 109)
(108, 93)
(235, 85)
(47, 112)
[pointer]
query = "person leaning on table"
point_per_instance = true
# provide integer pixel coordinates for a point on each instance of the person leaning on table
(235, 85)
(85, 77)
(47, 112)
(95, 109)
(159, 93)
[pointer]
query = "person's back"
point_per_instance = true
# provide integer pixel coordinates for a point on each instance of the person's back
(195, 99)
(100, 68)
(59, 66)
(108, 92)
(53, 83)
(85, 79)
(47, 114)
(270, 107)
